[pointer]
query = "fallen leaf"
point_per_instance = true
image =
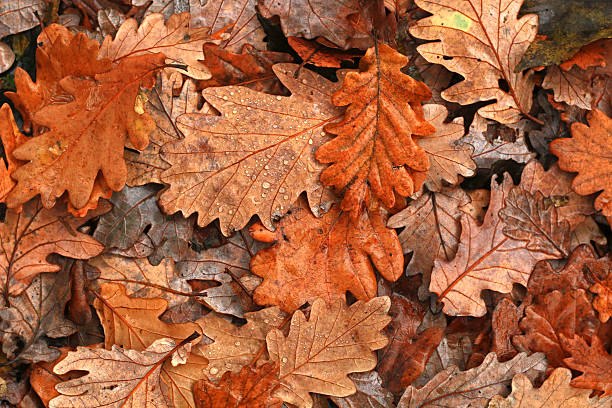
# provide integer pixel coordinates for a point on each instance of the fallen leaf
(594, 54)
(44, 380)
(474, 387)
(29, 237)
(603, 302)
(227, 168)
(594, 362)
(251, 388)
(587, 153)
(17, 16)
(312, 52)
(392, 163)
(35, 314)
(335, 255)
(175, 38)
(471, 44)
(556, 315)
(370, 393)
(319, 353)
(498, 253)
(505, 324)
(555, 392)
(240, 15)
(10, 138)
(115, 378)
(318, 18)
(431, 232)
(234, 347)
(572, 87)
(448, 161)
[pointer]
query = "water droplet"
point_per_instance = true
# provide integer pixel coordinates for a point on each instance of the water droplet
(237, 343)
(231, 212)
(322, 133)
(265, 184)
(285, 162)
(248, 108)
(266, 321)
(267, 167)
(285, 197)
(235, 111)
(275, 126)
(253, 177)
(224, 98)
(284, 359)
(282, 189)
(279, 98)
(309, 141)
(213, 370)
(232, 93)
(263, 195)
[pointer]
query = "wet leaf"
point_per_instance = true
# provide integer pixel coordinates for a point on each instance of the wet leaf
(594, 362)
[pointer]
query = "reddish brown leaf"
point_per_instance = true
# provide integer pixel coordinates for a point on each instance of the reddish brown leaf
(312, 52)
(374, 148)
(11, 138)
(594, 362)
(251, 388)
(505, 324)
(333, 256)
(603, 301)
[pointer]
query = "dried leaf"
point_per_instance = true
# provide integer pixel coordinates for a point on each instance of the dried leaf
(594, 362)
(431, 232)
(251, 388)
(319, 353)
(227, 168)
(483, 41)
(312, 52)
(497, 254)
(448, 161)
(29, 237)
(180, 43)
(240, 15)
(474, 387)
(572, 87)
(370, 393)
(44, 380)
(603, 302)
(10, 138)
(505, 324)
(374, 148)
(19, 15)
(36, 313)
(115, 378)
(588, 154)
(555, 315)
(555, 392)
(234, 347)
(334, 255)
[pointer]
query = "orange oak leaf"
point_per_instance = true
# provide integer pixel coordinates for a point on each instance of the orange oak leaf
(134, 324)
(175, 38)
(99, 191)
(146, 166)
(10, 138)
(318, 18)
(603, 301)
(594, 362)
(312, 52)
(483, 41)
(336, 254)
(374, 143)
(517, 232)
(595, 54)
(431, 231)
(588, 153)
(28, 237)
(318, 354)
(240, 16)
(44, 380)
(251, 68)
(254, 159)
(251, 388)
(60, 160)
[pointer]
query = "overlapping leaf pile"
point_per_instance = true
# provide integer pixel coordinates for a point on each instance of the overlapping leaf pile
(257, 203)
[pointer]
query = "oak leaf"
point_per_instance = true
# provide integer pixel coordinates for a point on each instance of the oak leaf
(516, 233)
(555, 392)
(234, 347)
(59, 160)
(36, 313)
(370, 393)
(588, 154)
(16, 16)
(474, 387)
(603, 302)
(374, 143)
(483, 41)
(319, 353)
(10, 138)
(134, 324)
(254, 159)
(505, 324)
(43, 380)
(240, 16)
(594, 362)
(312, 52)
(572, 87)
(175, 38)
(115, 378)
(336, 254)
(29, 237)
(251, 388)
(432, 229)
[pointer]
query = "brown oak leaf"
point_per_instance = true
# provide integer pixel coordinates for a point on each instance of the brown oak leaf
(555, 392)
(334, 255)
(483, 41)
(516, 233)
(472, 388)
(175, 38)
(432, 229)
(374, 148)
(251, 388)
(115, 378)
(587, 153)
(10, 138)
(370, 393)
(572, 87)
(505, 324)
(594, 362)
(29, 237)
(254, 159)
(603, 302)
(318, 354)
(312, 52)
